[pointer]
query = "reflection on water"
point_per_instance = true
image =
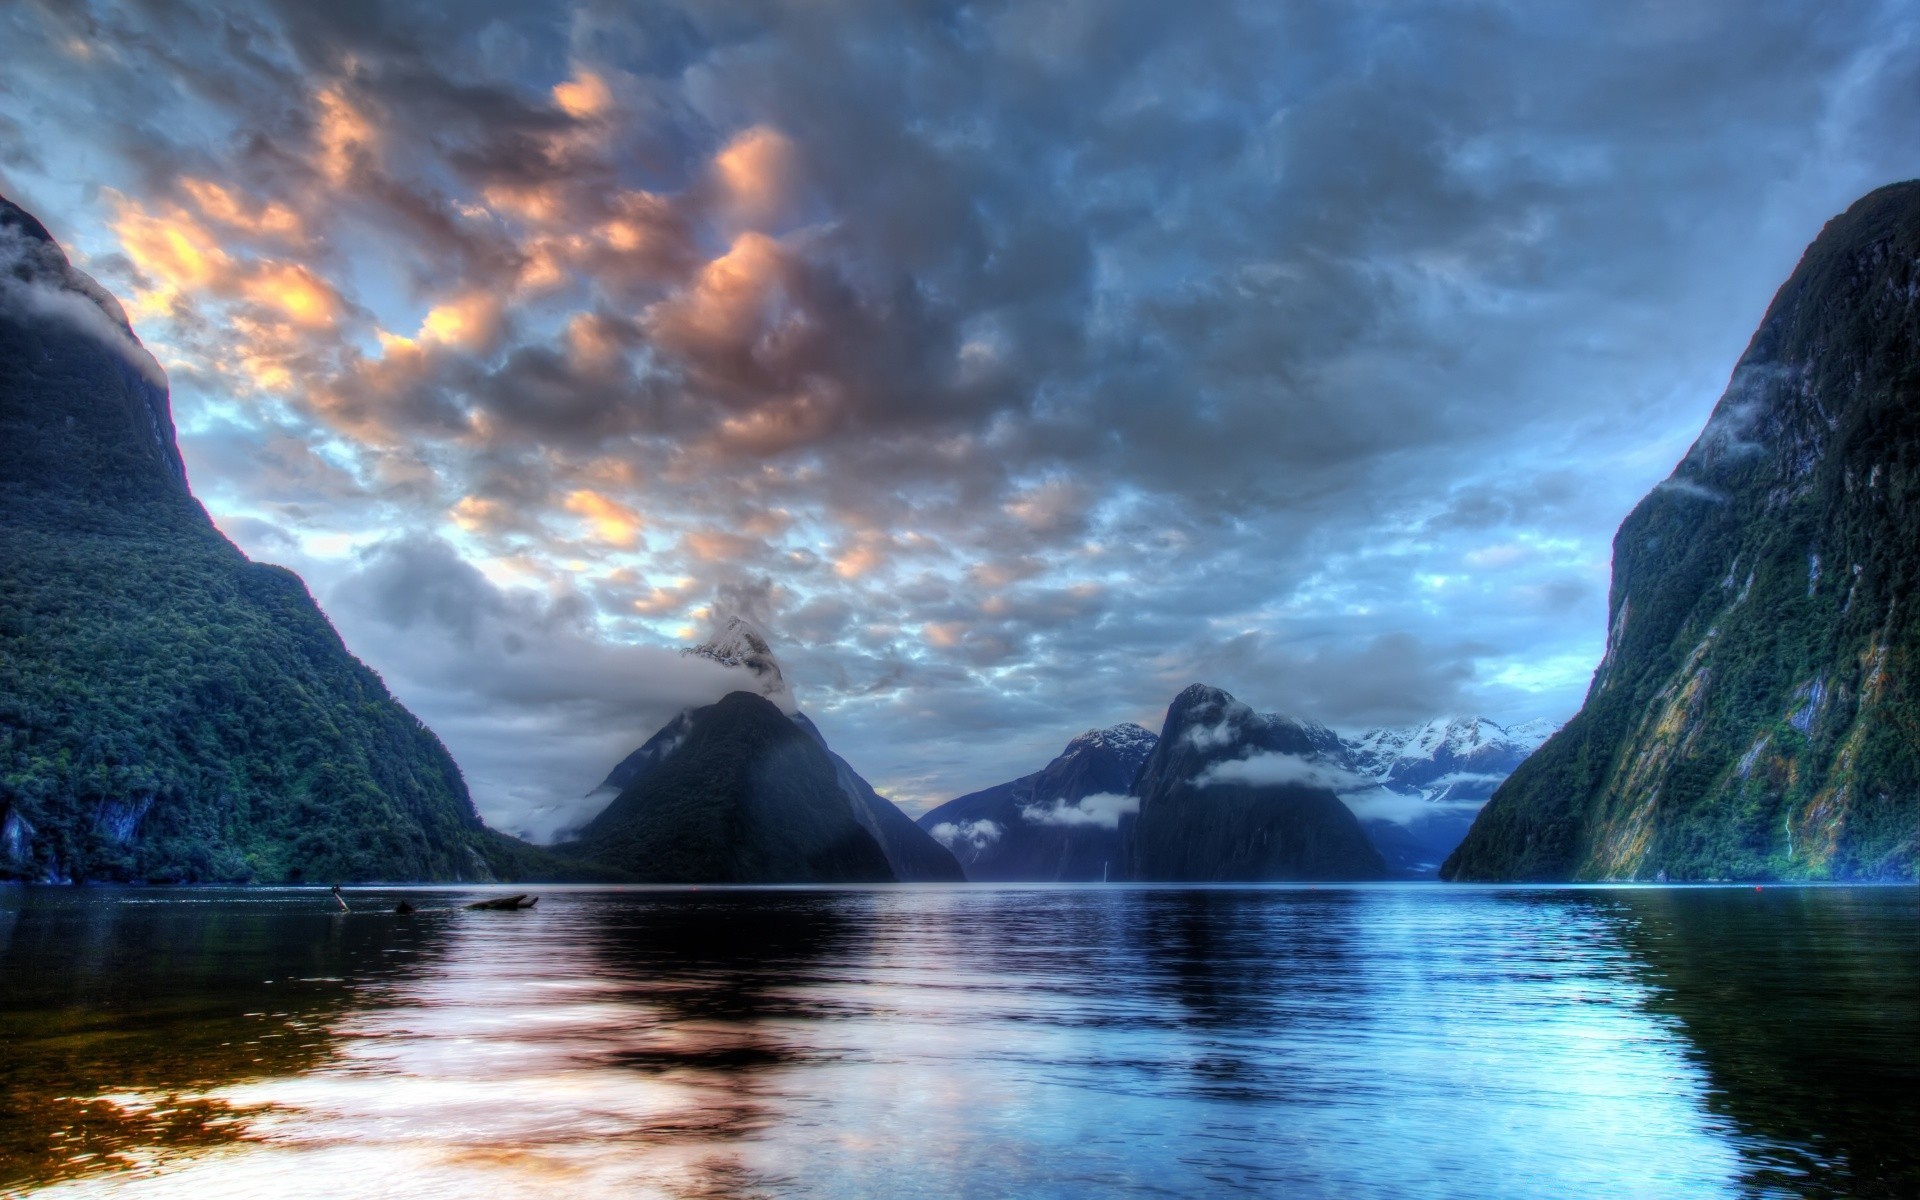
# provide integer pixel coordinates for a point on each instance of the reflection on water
(959, 1041)
(1804, 1006)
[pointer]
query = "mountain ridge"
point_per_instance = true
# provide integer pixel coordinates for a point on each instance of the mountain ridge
(1056, 836)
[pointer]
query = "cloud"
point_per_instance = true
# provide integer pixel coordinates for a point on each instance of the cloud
(1379, 804)
(35, 279)
(1271, 769)
(1043, 360)
(1102, 810)
(974, 835)
(461, 650)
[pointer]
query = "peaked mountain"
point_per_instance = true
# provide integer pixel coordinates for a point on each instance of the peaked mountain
(911, 855)
(735, 792)
(1757, 712)
(739, 643)
(1231, 795)
(170, 710)
(1067, 822)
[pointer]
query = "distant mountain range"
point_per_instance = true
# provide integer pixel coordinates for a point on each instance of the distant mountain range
(1418, 789)
(1064, 822)
(1414, 790)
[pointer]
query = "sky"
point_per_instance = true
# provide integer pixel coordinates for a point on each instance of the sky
(1012, 365)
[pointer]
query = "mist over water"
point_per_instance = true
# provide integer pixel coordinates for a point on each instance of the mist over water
(963, 1041)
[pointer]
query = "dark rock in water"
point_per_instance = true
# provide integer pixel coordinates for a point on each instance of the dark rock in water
(169, 710)
(1065, 823)
(504, 903)
(404, 907)
(1754, 715)
(1231, 795)
(744, 796)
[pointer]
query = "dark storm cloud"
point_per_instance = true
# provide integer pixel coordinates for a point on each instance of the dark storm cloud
(1015, 364)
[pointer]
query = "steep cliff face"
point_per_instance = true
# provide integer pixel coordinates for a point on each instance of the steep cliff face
(170, 710)
(1232, 795)
(742, 795)
(1757, 713)
(1067, 822)
(912, 853)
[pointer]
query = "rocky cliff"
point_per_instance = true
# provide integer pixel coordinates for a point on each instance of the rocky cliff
(1757, 712)
(170, 710)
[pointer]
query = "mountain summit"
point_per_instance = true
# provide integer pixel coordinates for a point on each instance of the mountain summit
(1233, 795)
(718, 794)
(1755, 713)
(170, 710)
(734, 792)
(740, 643)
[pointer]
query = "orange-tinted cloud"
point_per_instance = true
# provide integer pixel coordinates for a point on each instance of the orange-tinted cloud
(612, 522)
(584, 96)
(343, 135)
(758, 173)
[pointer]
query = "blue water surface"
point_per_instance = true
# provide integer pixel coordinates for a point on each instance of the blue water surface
(1368, 1041)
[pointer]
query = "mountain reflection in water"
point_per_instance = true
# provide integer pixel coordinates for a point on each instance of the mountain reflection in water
(1388, 1040)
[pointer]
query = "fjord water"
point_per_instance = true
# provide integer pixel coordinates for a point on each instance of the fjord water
(963, 1041)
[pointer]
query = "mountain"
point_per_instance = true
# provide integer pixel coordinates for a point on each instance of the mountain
(1415, 790)
(1757, 711)
(1065, 823)
(735, 792)
(170, 710)
(911, 855)
(1449, 759)
(1418, 789)
(1231, 795)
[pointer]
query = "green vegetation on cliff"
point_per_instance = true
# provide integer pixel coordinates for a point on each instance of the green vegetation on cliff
(170, 710)
(1757, 714)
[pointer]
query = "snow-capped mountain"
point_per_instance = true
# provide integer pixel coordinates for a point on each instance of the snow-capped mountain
(1448, 758)
(1417, 789)
(739, 643)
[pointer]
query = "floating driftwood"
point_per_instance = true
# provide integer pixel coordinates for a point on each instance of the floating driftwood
(507, 903)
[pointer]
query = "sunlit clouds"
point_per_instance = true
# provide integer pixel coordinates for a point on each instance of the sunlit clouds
(1017, 370)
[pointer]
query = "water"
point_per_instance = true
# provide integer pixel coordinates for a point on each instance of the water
(1420, 1041)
